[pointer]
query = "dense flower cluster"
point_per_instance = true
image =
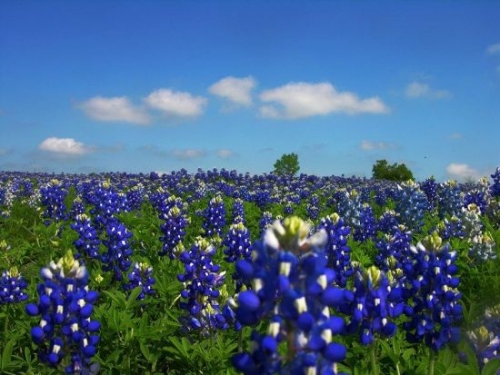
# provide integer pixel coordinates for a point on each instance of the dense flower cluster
(495, 185)
(53, 195)
(214, 217)
(202, 281)
(375, 302)
(141, 276)
(66, 334)
(293, 288)
(337, 250)
(118, 252)
(88, 242)
(450, 199)
(434, 309)
(12, 287)
(411, 205)
(429, 187)
(485, 336)
(173, 212)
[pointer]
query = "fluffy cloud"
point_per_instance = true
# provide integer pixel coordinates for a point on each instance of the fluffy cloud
(299, 100)
(235, 90)
(225, 153)
(369, 145)
(462, 171)
(423, 90)
(179, 104)
(114, 109)
(493, 49)
(65, 146)
(186, 154)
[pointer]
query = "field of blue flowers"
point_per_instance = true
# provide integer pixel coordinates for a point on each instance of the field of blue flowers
(219, 272)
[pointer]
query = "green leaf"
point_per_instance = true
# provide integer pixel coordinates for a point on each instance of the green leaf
(145, 351)
(492, 367)
(132, 299)
(7, 354)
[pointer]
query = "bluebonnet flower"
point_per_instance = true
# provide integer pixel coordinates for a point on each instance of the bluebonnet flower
(337, 250)
(393, 249)
(88, 242)
(141, 276)
(202, 281)
(214, 218)
(239, 210)
(430, 187)
(387, 222)
(52, 196)
(107, 203)
(292, 287)
(12, 287)
(495, 184)
(366, 227)
(450, 199)
(172, 211)
(375, 302)
(77, 208)
(135, 196)
(265, 221)
(237, 246)
(66, 334)
(485, 336)
(452, 228)
(411, 205)
(117, 256)
(434, 308)
(482, 246)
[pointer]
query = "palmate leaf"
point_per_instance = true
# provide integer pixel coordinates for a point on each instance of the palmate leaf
(492, 367)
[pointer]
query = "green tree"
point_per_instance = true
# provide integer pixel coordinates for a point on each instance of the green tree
(382, 170)
(287, 165)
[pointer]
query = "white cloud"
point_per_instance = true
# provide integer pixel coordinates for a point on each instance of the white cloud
(187, 153)
(493, 49)
(225, 153)
(462, 171)
(236, 90)
(423, 90)
(67, 146)
(369, 145)
(456, 136)
(114, 109)
(174, 103)
(302, 99)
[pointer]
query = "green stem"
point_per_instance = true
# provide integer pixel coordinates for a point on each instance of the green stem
(373, 357)
(432, 361)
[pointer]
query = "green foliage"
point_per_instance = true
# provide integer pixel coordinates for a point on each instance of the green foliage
(382, 170)
(287, 165)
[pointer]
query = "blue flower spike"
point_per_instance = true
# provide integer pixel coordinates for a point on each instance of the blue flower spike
(293, 288)
(66, 334)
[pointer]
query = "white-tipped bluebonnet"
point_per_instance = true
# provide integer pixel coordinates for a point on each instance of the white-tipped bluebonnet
(116, 258)
(141, 276)
(293, 288)
(237, 245)
(450, 200)
(376, 303)
(88, 242)
(433, 309)
(172, 211)
(411, 205)
(66, 333)
(214, 218)
(337, 250)
(12, 287)
(202, 281)
(52, 197)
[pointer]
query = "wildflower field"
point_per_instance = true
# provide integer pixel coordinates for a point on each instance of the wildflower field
(219, 272)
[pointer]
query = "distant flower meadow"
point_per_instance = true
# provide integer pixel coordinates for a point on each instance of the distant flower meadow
(219, 272)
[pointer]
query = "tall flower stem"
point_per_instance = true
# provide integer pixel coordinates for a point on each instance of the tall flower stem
(373, 358)
(432, 361)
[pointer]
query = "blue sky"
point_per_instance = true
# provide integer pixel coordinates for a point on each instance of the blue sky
(140, 86)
